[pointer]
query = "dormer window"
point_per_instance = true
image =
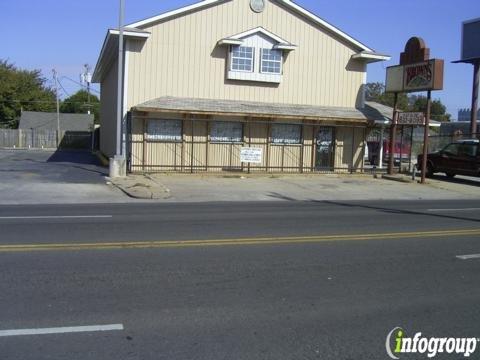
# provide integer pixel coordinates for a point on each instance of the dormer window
(242, 58)
(243, 61)
(271, 61)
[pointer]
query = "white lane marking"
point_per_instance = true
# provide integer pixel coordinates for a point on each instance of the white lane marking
(61, 330)
(56, 217)
(460, 209)
(468, 257)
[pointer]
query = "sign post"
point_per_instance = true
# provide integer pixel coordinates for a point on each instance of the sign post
(471, 55)
(416, 72)
(393, 134)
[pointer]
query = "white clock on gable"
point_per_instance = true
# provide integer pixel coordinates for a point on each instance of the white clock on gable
(257, 5)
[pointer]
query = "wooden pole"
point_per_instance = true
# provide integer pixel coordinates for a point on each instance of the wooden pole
(393, 131)
(425, 137)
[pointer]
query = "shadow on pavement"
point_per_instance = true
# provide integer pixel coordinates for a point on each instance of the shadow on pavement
(397, 211)
(77, 157)
(457, 180)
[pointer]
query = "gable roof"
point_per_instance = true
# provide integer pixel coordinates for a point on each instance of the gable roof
(237, 39)
(108, 48)
(48, 121)
(289, 4)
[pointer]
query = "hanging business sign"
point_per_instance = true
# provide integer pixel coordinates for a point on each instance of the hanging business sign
(411, 118)
(251, 155)
(420, 76)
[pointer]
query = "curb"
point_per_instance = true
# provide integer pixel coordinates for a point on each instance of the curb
(398, 178)
(141, 190)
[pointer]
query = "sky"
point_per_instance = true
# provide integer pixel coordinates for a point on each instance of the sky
(66, 34)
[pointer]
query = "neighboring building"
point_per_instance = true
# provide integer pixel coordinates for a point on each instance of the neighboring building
(46, 121)
(465, 115)
(203, 81)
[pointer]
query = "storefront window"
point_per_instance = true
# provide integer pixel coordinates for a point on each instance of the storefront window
(223, 131)
(164, 130)
(286, 134)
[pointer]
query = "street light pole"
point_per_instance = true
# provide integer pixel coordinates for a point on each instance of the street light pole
(118, 164)
(120, 79)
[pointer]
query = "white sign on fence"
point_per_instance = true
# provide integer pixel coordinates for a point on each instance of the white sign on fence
(251, 155)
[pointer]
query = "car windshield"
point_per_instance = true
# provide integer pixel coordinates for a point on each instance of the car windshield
(451, 149)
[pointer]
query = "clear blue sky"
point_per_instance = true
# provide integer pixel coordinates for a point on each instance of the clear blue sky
(65, 34)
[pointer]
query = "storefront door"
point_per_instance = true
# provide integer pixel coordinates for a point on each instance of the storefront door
(325, 148)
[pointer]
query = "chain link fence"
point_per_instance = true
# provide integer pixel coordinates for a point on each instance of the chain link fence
(408, 145)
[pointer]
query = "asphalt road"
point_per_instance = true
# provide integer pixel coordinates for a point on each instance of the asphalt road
(292, 280)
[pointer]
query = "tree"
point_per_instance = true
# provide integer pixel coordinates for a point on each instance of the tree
(22, 89)
(411, 102)
(438, 111)
(78, 103)
(376, 92)
(373, 91)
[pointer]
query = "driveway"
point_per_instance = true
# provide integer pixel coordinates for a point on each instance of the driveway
(46, 177)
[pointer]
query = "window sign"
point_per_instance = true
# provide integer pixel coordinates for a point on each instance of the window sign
(286, 134)
(223, 131)
(164, 130)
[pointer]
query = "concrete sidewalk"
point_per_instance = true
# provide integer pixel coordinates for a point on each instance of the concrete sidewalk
(265, 187)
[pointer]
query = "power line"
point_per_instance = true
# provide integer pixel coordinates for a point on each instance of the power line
(65, 91)
(48, 102)
(80, 84)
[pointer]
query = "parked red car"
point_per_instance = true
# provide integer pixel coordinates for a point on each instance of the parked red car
(373, 151)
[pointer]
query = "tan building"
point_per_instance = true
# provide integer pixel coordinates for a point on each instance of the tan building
(257, 85)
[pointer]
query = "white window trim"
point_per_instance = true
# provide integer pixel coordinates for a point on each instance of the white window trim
(261, 62)
(256, 74)
(231, 60)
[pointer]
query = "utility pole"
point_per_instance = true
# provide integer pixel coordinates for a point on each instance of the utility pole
(55, 78)
(86, 78)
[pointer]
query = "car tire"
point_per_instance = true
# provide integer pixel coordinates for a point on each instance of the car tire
(450, 175)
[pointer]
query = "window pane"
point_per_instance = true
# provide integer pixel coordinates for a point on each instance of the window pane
(286, 134)
(223, 131)
(242, 58)
(271, 60)
(166, 130)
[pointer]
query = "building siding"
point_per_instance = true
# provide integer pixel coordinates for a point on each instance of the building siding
(181, 58)
(108, 111)
(157, 156)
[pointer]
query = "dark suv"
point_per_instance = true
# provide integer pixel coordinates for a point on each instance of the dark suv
(461, 157)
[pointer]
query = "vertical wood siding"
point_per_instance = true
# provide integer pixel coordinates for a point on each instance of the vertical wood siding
(181, 58)
(203, 155)
(108, 111)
